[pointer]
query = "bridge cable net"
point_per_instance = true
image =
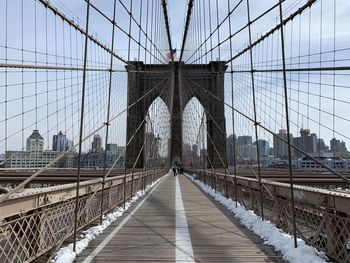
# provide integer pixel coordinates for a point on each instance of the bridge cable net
(283, 68)
(63, 116)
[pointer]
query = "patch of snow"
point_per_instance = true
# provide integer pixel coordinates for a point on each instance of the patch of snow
(282, 242)
(342, 190)
(67, 255)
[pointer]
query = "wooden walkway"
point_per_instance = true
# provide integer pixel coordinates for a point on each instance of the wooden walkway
(173, 225)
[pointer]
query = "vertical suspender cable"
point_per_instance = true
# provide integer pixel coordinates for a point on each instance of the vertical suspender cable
(254, 108)
(81, 125)
(129, 52)
(218, 76)
(6, 78)
(130, 16)
(36, 71)
(127, 113)
(108, 111)
(287, 124)
(232, 111)
(22, 74)
(137, 77)
(211, 38)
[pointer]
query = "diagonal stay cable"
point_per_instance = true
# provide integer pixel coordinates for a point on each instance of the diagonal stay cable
(208, 134)
(126, 33)
(72, 23)
(224, 135)
(59, 157)
(307, 5)
(231, 35)
(187, 23)
(213, 32)
(63, 68)
(130, 140)
(152, 128)
(167, 26)
(274, 134)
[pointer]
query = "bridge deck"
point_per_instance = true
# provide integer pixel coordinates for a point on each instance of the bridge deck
(160, 229)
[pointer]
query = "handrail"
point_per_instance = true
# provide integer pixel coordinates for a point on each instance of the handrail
(305, 194)
(40, 197)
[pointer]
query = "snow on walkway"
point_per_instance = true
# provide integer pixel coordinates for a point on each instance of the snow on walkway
(67, 255)
(282, 242)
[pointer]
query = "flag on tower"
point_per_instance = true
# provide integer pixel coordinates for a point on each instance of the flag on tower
(171, 55)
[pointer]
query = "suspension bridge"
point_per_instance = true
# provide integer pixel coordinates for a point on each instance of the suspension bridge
(174, 131)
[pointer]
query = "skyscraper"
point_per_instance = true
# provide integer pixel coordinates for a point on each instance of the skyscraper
(151, 152)
(264, 147)
(246, 151)
(229, 149)
(96, 144)
(321, 146)
(60, 142)
(35, 143)
(338, 148)
(112, 147)
(245, 147)
(306, 142)
(337, 145)
(244, 140)
(280, 148)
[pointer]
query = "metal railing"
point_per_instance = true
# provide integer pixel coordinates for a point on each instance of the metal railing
(322, 216)
(34, 223)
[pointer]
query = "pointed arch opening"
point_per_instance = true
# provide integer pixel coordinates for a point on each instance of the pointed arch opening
(157, 134)
(194, 130)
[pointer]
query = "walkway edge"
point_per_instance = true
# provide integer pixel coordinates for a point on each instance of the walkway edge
(281, 241)
(117, 229)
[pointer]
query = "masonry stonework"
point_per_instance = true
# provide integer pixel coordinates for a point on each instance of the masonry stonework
(176, 83)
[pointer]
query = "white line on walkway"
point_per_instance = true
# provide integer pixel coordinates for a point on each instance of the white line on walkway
(116, 230)
(184, 251)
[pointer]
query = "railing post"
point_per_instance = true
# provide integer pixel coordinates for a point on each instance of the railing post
(226, 185)
(215, 180)
(124, 189)
(132, 183)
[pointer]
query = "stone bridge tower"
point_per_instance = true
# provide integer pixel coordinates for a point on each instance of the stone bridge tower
(145, 81)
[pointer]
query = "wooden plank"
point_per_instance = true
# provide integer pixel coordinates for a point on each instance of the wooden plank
(216, 235)
(149, 236)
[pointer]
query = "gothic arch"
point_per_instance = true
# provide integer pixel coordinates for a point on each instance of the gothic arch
(198, 78)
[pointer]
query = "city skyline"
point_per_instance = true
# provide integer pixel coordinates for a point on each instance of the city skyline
(36, 156)
(60, 142)
(250, 139)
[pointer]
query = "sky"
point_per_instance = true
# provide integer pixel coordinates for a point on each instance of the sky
(317, 38)
(45, 39)
(177, 14)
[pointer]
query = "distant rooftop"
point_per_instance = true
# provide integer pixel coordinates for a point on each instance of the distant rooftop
(36, 135)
